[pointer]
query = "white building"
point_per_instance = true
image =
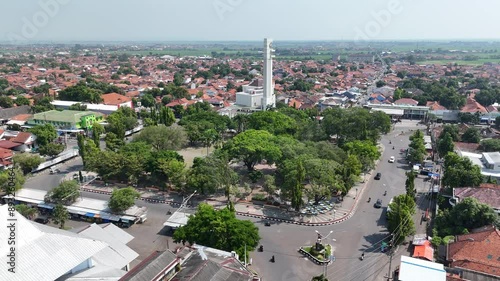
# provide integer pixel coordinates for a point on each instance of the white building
(252, 95)
(488, 161)
(48, 253)
(412, 269)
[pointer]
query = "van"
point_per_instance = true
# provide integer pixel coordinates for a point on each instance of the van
(388, 207)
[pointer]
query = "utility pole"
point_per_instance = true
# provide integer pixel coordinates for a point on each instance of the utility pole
(390, 258)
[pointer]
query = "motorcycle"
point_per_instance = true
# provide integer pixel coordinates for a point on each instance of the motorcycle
(393, 147)
(272, 259)
(385, 193)
(369, 199)
(362, 256)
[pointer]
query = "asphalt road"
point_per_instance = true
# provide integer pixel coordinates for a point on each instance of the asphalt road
(362, 232)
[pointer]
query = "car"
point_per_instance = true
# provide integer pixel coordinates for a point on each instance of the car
(378, 204)
(392, 159)
(267, 223)
(42, 220)
(378, 176)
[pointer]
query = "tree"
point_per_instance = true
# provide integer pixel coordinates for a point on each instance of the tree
(398, 94)
(460, 172)
(497, 123)
(27, 162)
(274, 122)
(452, 130)
(253, 146)
(269, 185)
(122, 199)
(380, 83)
(21, 100)
(148, 100)
(417, 147)
(78, 107)
(97, 131)
(471, 135)
(219, 229)
(65, 193)
(26, 211)
(178, 79)
(322, 179)
(6, 177)
(162, 137)
(6, 102)
(400, 217)
(51, 149)
(445, 145)
(490, 145)
(410, 185)
(44, 133)
(167, 116)
(465, 216)
(60, 215)
(113, 142)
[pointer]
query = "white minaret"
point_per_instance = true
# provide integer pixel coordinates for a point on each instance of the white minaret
(269, 99)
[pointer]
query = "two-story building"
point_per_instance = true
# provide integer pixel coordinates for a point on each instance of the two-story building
(66, 120)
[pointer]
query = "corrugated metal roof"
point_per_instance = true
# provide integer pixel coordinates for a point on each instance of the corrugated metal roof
(42, 254)
(117, 233)
(117, 255)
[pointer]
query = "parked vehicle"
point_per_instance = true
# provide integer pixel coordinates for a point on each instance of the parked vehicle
(42, 220)
(378, 176)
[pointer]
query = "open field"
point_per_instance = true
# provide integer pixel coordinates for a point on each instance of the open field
(460, 62)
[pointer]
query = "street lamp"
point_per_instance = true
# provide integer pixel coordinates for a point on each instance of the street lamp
(320, 237)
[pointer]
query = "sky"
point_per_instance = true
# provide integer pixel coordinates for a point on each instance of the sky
(247, 20)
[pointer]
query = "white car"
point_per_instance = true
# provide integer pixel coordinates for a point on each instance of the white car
(391, 160)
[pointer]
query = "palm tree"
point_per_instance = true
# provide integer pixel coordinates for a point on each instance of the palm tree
(26, 211)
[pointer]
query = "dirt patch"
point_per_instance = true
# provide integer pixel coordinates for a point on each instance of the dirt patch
(191, 152)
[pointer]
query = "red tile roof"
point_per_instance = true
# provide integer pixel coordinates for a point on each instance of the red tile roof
(477, 251)
(114, 99)
(8, 144)
(406, 101)
(5, 153)
(434, 105)
(472, 106)
(424, 251)
(22, 137)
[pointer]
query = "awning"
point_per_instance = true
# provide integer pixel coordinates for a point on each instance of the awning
(110, 217)
(46, 206)
(97, 216)
(90, 215)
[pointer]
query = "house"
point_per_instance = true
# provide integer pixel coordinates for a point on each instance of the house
(424, 250)
(252, 94)
(485, 195)
(194, 263)
(488, 161)
(25, 140)
(412, 269)
(476, 255)
(406, 101)
(48, 253)
(66, 120)
(5, 158)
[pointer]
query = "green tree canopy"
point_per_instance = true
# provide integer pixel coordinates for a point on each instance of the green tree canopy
(60, 215)
(417, 147)
(400, 217)
(274, 122)
(490, 145)
(219, 229)
(460, 172)
(51, 149)
(65, 193)
(5, 179)
(44, 134)
(162, 137)
(27, 211)
(253, 146)
(465, 216)
(472, 135)
(27, 162)
(445, 145)
(122, 199)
